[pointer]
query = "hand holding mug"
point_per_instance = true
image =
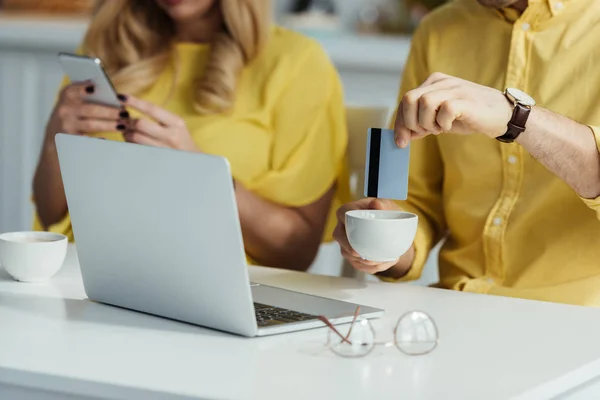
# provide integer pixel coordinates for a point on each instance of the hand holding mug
(376, 236)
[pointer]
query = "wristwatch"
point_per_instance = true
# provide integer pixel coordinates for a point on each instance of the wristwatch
(522, 103)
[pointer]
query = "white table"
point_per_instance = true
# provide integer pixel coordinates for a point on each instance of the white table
(53, 341)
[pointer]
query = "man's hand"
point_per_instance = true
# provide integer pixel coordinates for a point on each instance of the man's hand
(164, 130)
(395, 269)
(447, 104)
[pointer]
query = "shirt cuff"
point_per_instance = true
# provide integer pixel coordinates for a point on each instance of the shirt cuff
(423, 245)
(594, 204)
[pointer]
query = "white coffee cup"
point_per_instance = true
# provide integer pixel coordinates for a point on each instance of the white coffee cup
(381, 235)
(32, 256)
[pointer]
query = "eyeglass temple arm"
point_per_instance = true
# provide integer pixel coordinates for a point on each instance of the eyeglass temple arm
(353, 321)
(333, 328)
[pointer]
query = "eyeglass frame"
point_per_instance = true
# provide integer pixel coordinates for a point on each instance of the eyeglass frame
(345, 339)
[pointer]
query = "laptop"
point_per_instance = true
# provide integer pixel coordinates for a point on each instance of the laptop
(157, 231)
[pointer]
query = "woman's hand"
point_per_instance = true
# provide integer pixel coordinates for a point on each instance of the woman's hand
(73, 115)
(164, 130)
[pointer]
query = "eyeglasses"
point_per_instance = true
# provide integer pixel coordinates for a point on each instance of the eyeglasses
(415, 334)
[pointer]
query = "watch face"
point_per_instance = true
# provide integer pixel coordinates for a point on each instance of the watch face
(521, 97)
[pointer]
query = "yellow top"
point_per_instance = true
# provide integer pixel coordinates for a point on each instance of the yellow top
(286, 136)
(514, 228)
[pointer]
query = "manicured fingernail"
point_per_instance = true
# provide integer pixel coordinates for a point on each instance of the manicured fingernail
(401, 142)
(122, 97)
(89, 89)
(121, 127)
(124, 114)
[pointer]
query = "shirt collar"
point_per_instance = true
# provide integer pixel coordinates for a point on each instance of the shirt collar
(554, 6)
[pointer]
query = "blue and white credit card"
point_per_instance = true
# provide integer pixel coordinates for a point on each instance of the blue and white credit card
(386, 166)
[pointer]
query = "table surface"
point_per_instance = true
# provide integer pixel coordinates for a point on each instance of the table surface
(53, 338)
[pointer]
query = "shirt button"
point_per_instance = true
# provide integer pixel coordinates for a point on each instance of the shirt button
(490, 280)
(512, 159)
(497, 221)
(558, 6)
(525, 26)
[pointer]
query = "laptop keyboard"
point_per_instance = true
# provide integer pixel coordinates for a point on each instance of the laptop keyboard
(270, 315)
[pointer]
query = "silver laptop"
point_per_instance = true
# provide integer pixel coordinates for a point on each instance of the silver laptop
(157, 231)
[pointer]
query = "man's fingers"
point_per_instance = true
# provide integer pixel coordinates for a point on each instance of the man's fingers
(402, 134)
(371, 268)
(341, 212)
(409, 106)
(362, 204)
(348, 252)
(357, 262)
(449, 112)
(366, 266)
(339, 234)
(429, 105)
(409, 109)
(383, 204)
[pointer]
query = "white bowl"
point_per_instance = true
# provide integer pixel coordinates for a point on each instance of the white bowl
(32, 256)
(381, 235)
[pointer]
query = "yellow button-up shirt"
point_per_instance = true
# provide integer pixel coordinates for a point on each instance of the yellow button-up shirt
(512, 227)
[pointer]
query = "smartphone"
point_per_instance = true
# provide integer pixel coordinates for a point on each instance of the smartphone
(386, 166)
(82, 68)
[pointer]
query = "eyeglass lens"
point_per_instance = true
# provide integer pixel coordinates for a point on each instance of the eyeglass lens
(416, 333)
(357, 341)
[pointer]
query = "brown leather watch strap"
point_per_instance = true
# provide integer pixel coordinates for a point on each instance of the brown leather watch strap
(516, 125)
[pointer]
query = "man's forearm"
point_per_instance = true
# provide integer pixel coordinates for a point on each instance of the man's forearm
(566, 148)
(445, 103)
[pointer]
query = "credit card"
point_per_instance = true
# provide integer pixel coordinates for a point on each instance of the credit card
(386, 166)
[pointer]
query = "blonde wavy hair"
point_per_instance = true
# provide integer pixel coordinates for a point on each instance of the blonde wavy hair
(135, 39)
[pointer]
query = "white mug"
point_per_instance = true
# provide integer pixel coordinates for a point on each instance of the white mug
(32, 256)
(381, 235)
